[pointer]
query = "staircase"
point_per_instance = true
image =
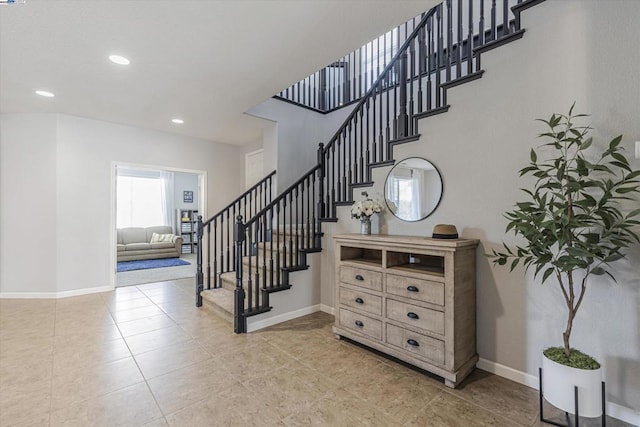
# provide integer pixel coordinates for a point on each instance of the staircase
(258, 242)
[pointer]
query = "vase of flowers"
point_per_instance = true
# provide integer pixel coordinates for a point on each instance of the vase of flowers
(364, 210)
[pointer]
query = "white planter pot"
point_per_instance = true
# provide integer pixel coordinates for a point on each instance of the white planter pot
(558, 382)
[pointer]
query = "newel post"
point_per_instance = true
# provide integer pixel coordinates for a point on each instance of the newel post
(239, 321)
(403, 117)
(321, 206)
(199, 276)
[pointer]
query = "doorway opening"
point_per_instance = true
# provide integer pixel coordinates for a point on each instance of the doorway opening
(154, 215)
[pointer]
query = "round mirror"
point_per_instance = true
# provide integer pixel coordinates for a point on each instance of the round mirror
(413, 189)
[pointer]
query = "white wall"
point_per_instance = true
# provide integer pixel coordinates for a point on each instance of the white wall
(298, 132)
(569, 52)
(185, 182)
(65, 164)
(27, 202)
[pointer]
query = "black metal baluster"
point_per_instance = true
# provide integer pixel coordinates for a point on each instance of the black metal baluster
(494, 30)
(362, 164)
(263, 244)
(249, 272)
(239, 321)
(505, 18)
(271, 263)
(290, 242)
(470, 40)
(449, 43)
(459, 41)
(285, 248)
(343, 171)
(307, 219)
(297, 224)
(215, 254)
(256, 290)
(438, 59)
(350, 159)
(381, 136)
(278, 254)
(412, 54)
(209, 256)
(367, 145)
(374, 131)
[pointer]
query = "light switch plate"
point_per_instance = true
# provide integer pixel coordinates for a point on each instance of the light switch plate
(637, 149)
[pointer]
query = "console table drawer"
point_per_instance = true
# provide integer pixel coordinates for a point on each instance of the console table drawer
(417, 344)
(361, 300)
(418, 289)
(424, 318)
(361, 277)
(363, 324)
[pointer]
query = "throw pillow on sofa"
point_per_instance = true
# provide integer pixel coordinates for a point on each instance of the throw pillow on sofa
(160, 238)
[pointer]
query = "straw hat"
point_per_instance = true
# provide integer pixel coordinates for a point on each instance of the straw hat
(445, 231)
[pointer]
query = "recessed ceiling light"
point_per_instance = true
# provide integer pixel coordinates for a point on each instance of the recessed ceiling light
(177, 121)
(45, 93)
(120, 60)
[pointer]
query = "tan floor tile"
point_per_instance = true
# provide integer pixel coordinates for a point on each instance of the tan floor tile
(71, 358)
(159, 338)
(160, 422)
(201, 373)
(79, 303)
(29, 420)
(136, 313)
(87, 334)
(132, 406)
(19, 373)
(181, 388)
(21, 402)
(179, 355)
(451, 411)
(83, 384)
(116, 305)
(500, 395)
(146, 324)
(212, 412)
(26, 350)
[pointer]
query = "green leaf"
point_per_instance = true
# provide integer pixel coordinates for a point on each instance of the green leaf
(615, 142)
(598, 271)
(546, 274)
(534, 157)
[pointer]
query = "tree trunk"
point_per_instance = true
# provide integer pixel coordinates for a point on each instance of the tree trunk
(567, 333)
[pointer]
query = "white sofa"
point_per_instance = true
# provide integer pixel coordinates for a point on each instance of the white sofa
(134, 243)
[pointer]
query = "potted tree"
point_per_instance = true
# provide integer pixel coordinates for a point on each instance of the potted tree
(573, 228)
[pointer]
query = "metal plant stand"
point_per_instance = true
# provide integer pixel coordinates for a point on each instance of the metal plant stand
(575, 399)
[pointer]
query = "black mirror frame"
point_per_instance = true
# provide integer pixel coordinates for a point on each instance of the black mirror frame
(386, 201)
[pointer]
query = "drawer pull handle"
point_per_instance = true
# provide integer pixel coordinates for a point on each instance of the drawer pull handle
(359, 277)
(359, 301)
(412, 288)
(359, 323)
(412, 315)
(413, 343)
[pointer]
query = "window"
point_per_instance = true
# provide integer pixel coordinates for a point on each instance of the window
(139, 202)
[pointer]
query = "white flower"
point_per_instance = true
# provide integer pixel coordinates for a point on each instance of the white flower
(366, 208)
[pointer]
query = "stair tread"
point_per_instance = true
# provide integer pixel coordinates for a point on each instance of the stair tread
(220, 301)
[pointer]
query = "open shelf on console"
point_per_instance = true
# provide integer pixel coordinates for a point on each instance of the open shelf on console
(370, 257)
(418, 263)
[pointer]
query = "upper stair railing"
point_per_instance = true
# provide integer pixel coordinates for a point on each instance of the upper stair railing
(217, 233)
(348, 79)
(435, 56)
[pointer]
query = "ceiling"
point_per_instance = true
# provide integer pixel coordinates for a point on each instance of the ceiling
(204, 61)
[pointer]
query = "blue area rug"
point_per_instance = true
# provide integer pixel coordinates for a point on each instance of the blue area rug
(150, 263)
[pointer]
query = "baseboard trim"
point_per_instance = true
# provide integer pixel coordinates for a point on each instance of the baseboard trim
(54, 295)
(327, 309)
(261, 324)
(614, 410)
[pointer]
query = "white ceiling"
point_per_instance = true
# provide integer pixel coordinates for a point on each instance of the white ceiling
(204, 61)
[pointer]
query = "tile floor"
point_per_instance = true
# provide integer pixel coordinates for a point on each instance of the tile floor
(145, 356)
